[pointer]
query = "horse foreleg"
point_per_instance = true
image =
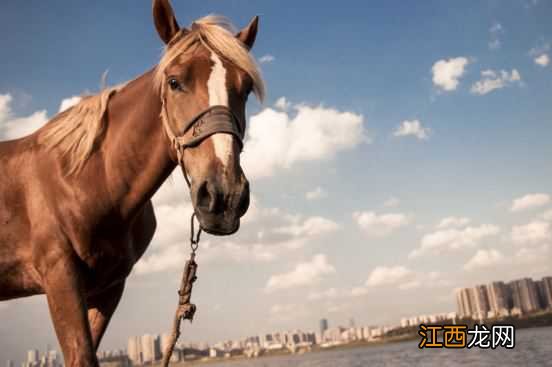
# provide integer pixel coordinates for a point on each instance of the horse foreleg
(66, 300)
(100, 310)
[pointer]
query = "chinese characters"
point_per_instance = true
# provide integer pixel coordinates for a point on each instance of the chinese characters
(456, 336)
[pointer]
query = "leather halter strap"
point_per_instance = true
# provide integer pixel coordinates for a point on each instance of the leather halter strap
(213, 120)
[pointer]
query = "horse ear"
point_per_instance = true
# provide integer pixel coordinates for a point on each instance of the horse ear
(249, 33)
(164, 19)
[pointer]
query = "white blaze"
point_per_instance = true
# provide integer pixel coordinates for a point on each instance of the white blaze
(218, 96)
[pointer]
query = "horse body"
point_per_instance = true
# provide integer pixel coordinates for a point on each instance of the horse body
(103, 217)
(75, 196)
(18, 275)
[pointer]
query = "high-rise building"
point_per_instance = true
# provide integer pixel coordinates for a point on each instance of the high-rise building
(481, 302)
(52, 359)
(151, 348)
(524, 295)
(544, 288)
(134, 350)
(499, 296)
(32, 357)
(465, 301)
(323, 327)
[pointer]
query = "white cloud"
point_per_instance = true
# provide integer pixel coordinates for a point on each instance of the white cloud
(484, 259)
(316, 194)
(282, 104)
(174, 191)
(404, 279)
(266, 234)
(12, 127)
(170, 257)
(542, 47)
(531, 233)
(380, 225)
(330, 293)
(447, 73)
(542, 60)
(432, 279)
(266, 59)
(172, 223)
(335, 293)
(452, 239)
(69, 102)
(278, 140)
(495, 32)
(455, 222)
(391, 202)
(312, 226)
(529, 201)
(540, 54)
(492, 80)
(5, 109)
(388, 275)
(230, 250)
(304, 274)
(412, 128)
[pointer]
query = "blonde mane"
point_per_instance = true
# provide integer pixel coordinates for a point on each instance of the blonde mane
(77, 131)
(217, 34)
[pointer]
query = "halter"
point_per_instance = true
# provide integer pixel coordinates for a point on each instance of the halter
(213, 120)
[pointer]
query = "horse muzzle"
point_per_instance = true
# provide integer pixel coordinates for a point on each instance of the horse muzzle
(218, 209)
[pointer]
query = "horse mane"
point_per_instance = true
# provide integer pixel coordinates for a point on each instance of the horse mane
(77, 130)
(217, 34)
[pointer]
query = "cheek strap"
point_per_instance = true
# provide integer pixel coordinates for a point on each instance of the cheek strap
(213, 120)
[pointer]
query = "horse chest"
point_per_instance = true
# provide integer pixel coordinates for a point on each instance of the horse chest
(114, 247)
(110, 262)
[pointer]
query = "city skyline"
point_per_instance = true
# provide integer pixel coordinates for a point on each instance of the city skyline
(495, 300)
(516, 297)
(403, 151)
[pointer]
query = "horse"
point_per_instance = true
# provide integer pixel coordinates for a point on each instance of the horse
(75, 196)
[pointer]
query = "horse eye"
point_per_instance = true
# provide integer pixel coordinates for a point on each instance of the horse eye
(173, 83)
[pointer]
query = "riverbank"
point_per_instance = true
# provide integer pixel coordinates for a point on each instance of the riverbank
(537, 320)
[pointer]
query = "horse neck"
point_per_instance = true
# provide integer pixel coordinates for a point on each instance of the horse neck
(136, 148)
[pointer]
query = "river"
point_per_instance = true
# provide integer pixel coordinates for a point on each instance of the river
(533, 348)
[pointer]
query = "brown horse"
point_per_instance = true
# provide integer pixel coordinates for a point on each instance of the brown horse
(75, 196)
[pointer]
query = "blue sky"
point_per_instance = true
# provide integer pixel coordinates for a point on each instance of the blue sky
(354, 74)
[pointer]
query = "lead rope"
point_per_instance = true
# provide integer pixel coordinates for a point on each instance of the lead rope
(185, 310)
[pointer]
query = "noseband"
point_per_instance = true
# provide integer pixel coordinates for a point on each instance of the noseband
(213, 120)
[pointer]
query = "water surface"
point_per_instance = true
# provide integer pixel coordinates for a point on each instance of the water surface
(533, 348)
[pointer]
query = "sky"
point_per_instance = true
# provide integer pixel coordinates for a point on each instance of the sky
(403, 151)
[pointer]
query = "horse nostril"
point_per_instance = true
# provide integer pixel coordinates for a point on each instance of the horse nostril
(208, 198)
(203, 197)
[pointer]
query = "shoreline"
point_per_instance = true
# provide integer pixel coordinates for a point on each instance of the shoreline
(286, 352)
(528, 322)
(542, 319)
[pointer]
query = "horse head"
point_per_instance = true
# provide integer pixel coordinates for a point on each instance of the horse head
(204, 79)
